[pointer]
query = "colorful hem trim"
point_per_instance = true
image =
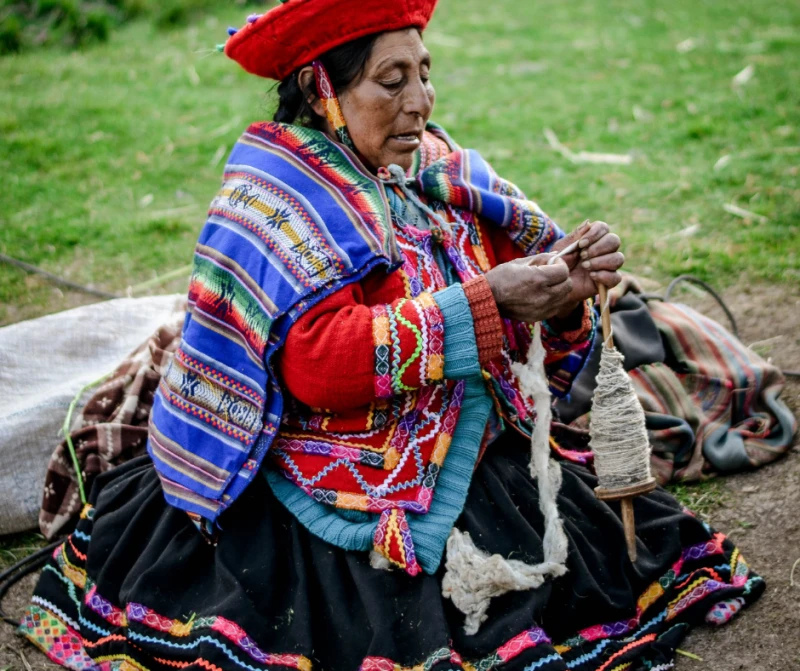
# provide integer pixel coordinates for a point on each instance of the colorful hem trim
(84, 631)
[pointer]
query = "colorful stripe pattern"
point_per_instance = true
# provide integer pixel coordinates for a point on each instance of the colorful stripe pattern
(393, 541)
(567, 351)
(467, 182)
(271, 246)
(80, 629)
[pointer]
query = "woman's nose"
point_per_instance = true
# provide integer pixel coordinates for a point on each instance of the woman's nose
(418, 99)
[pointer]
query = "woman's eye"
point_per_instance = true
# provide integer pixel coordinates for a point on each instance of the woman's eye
(396, 84)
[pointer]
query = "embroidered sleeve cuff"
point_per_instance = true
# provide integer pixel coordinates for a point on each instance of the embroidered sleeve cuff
(486, 319)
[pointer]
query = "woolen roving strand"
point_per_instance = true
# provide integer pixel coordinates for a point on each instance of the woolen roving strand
(473, 577)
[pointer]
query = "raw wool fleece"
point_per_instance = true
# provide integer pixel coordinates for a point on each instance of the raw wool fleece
(473, 577)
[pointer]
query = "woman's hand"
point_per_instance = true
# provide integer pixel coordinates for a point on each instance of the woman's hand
(529, 290)
(597, 260)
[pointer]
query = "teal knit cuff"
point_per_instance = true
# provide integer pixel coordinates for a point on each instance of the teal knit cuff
(460, 348)
(325, 522)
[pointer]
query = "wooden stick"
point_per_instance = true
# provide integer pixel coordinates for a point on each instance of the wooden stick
(628, 521)
(628, 524)
(605, 315)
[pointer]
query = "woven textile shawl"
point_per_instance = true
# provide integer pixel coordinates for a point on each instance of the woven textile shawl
(297, 218)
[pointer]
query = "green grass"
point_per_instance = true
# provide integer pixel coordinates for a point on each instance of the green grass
(110, 155)
(702, 498)
(18, 546)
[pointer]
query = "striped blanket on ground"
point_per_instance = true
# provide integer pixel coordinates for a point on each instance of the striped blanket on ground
(715, 406)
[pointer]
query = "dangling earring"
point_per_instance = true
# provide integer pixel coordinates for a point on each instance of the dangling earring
(333, 110)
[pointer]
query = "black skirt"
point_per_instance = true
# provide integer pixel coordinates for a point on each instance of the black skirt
(137, 585)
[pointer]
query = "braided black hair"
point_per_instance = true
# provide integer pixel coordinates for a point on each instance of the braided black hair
(344, 64)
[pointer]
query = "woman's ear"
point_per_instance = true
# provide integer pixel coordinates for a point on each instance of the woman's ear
(307, 84)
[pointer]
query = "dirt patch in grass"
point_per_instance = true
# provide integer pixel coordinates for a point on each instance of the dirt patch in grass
(760, 511)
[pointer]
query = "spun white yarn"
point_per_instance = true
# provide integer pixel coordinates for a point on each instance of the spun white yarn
(619, 437)
(473, 577)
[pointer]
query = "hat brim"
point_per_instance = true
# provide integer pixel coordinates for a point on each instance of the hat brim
(298, 31)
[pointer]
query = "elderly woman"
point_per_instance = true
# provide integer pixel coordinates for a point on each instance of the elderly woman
(343, 401)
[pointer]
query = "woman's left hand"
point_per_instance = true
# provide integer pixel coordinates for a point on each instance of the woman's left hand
(597, 260)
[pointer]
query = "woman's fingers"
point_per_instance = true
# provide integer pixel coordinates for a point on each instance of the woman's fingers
(552, 275)
(608, 244)
(568, 239)
(613, 261)
(596, 231)
(606, 277)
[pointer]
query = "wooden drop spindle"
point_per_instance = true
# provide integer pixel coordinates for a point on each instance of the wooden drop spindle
(624, 496)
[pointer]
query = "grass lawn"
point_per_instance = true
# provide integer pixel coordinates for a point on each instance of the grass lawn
(111, 155)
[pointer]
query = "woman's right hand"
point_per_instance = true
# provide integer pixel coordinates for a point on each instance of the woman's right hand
(529, 290)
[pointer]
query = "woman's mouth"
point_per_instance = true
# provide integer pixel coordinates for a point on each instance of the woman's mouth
(406, 140)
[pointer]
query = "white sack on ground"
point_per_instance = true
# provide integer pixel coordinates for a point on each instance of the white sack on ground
(43, 364)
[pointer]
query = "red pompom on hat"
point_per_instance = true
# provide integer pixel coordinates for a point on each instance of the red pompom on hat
(293, 34)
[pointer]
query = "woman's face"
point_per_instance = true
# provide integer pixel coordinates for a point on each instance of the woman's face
(387, 107)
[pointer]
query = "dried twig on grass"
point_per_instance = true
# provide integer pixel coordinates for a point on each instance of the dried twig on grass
(585, 156)
(744, 76)
(173, 212)
(737, 211)
(25, 661)
(687, 232)
(225, 128)
(728, 158)
(722, 162)
(218, 155)
(767, 341)
(161, 279)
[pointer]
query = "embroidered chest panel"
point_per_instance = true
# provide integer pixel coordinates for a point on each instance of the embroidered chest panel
(389, 455)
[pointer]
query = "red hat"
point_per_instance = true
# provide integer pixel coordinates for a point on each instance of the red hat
(293, 34)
